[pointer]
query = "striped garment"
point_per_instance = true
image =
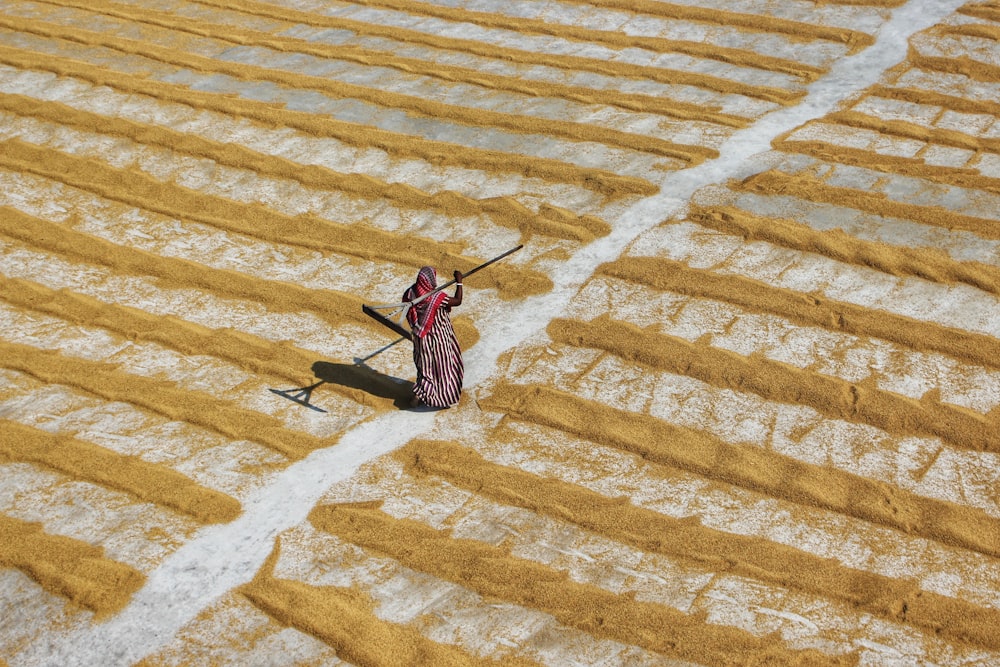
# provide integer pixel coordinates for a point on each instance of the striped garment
(436, 352)
(438, 359)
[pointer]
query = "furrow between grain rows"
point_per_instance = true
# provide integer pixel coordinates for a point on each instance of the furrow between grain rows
(750, 467)
(343, 618)
(926, 263)
(135, 188)
(773, 380)
(368, 57)
(914, 167)
(68, 567)
(755, 22)
(362, 136)
(618, 40)
(499, 52)
(622, 521)
(493, 572)
(776, 182)
(254, 354)
(427, 108)
(145, 481)
(334, 307)
(165, 398)
(806, 310)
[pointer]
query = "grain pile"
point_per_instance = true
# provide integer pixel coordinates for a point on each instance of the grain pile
(766, 432)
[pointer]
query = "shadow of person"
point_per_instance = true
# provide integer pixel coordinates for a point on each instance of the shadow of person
(367, 379)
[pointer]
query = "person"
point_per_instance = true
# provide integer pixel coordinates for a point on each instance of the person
(436, 352)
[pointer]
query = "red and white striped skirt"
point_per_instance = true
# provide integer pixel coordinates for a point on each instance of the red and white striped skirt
(438, 359)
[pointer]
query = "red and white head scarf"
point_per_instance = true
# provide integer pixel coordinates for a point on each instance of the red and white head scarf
(421, 315)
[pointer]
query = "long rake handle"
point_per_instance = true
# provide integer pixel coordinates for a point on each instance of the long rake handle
(467, 273)
(480, 267)
(444, 286)
(372, 311)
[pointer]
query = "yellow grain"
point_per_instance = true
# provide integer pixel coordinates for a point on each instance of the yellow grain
(764, 23)
(344, 619)
(777, 381)
(441, 153)
(807, 310)
(616, 40)
(165, 398)
(749, 466)
(64, 566)
(493, 572)
(620, 520)
(498, 52)
(362, 56)
(776, 182)
(148, 482)
(927, 263)
(418, 105)
(251, 353)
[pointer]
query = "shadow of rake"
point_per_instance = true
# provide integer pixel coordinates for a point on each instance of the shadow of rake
(302, 395)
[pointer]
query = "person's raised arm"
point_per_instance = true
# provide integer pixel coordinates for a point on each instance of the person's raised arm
(457, 299)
